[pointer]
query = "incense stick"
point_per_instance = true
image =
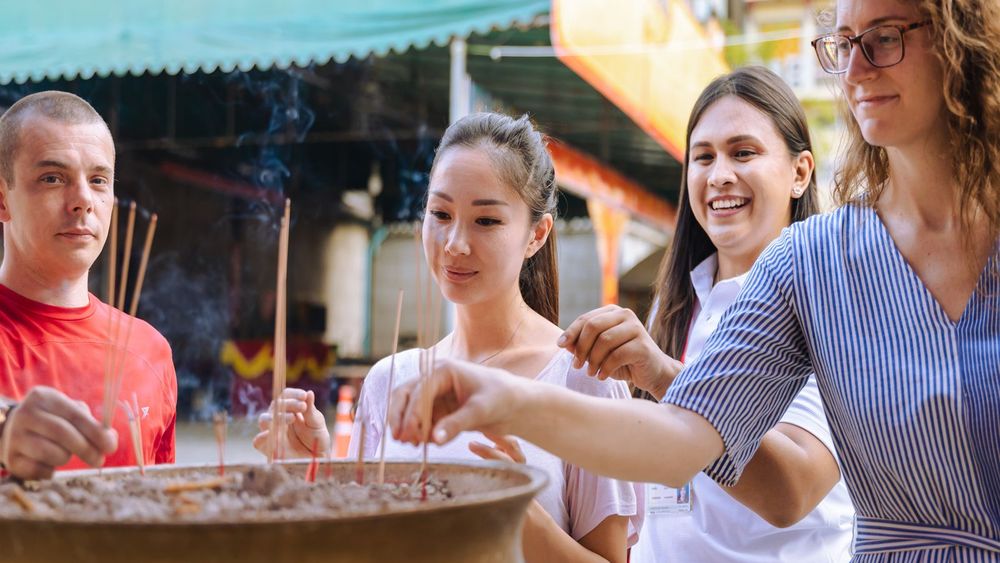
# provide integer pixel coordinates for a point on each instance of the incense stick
(127, 256)
(143, 263)
(184, 486)
(313, 467)
(17, 495)
(435, 301)
(329, 460)
(135, 430)
(118, 364)
(388, 399)
(280, 358)
(219, 426)
(430, 341)
(419, 255)
(112, 267)
(137, 434)
(360, 472)
(112, 254)
(284, 314)
(109, 360)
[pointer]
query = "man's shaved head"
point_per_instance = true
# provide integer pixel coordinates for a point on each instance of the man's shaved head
(62, 107)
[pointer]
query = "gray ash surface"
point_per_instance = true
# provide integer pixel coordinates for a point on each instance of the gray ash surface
(265, 492)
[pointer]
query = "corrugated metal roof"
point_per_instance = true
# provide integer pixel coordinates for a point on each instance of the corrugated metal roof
(55, 39)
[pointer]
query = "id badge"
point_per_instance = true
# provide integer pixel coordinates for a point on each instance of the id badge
(661, 499)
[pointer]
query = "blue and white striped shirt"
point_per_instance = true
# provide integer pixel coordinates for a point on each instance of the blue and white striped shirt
(912, 397)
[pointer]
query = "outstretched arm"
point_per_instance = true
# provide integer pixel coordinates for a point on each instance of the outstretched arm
(624, 439)
(788, 476)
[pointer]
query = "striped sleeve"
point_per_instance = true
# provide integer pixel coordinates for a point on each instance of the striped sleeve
(752, 366)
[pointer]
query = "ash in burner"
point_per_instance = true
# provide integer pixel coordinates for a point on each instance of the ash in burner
(266, 492)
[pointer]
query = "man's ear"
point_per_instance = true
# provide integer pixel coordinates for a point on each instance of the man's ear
(539, 234)
(4, 210)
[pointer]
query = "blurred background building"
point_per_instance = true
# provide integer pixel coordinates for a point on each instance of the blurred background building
(220, 110)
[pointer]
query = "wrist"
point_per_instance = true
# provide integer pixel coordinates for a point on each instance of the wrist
(669, 369)
(528, 400)
(6, 409)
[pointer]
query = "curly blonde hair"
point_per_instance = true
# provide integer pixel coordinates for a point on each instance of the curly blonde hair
(966, 36)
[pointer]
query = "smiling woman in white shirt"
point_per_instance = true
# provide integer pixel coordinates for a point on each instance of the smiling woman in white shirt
(749, 173)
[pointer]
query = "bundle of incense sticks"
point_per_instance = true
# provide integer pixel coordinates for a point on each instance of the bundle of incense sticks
(116, 349)
(280, 356)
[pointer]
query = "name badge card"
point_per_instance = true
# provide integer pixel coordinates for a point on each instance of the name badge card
(661, 499)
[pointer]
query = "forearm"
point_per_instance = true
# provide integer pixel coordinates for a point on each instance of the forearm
(624, 439)
(544, 541)
(784, 481)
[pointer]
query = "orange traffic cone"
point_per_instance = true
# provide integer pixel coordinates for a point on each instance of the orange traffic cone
(344, 424)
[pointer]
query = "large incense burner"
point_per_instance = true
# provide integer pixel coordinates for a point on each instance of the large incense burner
(469, 512)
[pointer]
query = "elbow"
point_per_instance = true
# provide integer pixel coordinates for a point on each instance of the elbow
(785, 511)
(783, 517)
(675, 481)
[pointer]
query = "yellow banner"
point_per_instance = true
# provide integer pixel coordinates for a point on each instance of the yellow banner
(257, 359)
(651, 58)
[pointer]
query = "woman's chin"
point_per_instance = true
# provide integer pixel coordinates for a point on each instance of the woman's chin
(456, 295)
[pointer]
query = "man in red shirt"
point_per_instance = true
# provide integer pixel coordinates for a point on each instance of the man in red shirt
(57, 163)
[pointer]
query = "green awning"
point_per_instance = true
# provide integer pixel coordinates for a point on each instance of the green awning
(53, 39)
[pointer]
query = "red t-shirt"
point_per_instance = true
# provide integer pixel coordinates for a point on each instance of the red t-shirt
(67, 349)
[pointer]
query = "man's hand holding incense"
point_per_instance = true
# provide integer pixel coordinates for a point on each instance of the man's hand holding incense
(46, 429)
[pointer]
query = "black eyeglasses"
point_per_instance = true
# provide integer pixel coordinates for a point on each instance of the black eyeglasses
(882, 46)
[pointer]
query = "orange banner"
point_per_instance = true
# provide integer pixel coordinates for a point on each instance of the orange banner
(651, 58)
(590, 179)
(609, 228)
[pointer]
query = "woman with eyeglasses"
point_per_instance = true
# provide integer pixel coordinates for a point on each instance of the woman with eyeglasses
(892, 301)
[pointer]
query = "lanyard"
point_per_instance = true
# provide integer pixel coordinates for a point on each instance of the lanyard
(687, 340)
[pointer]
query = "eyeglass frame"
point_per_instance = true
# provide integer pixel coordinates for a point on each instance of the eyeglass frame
(856, 40)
